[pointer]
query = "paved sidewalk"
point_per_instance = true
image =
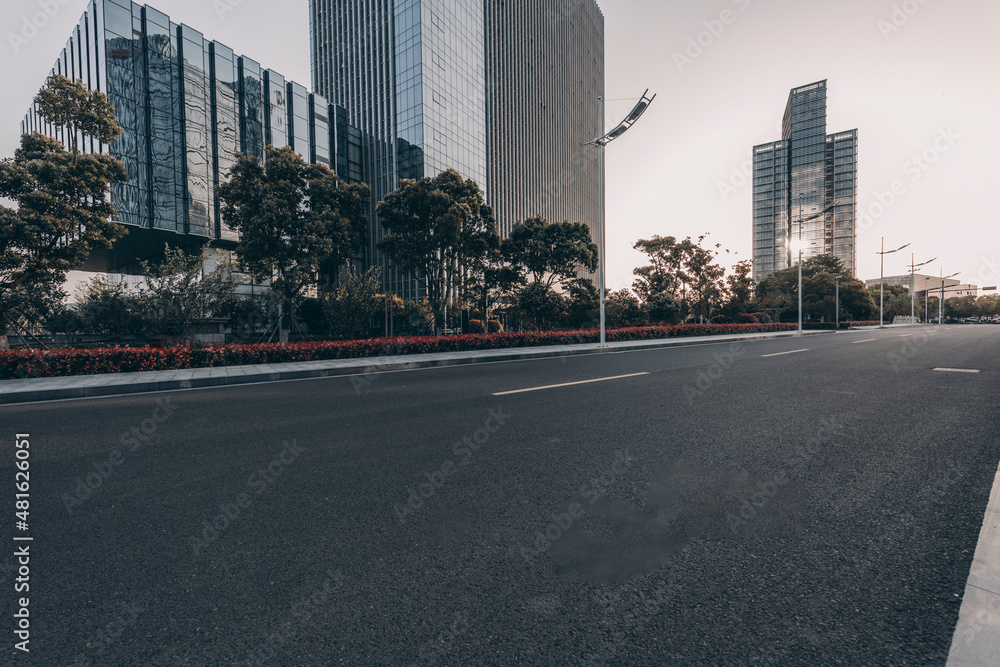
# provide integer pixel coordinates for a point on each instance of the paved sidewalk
(117, 384)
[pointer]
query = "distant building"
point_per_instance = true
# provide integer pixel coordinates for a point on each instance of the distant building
(503, 92)
(186, 106)
(922, 284)
(799, 176)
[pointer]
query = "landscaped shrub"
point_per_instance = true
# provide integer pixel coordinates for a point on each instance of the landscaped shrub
(34, 363)
(476, 327)
(746, 318)
(495, 326)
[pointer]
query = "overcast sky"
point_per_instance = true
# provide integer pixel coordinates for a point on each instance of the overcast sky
(920, 79)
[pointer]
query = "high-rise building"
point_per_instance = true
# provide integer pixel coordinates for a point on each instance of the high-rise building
(503, 92)
(805, 187)
(186, 106)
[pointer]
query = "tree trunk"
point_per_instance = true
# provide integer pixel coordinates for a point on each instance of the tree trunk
(282, 329)
(4, 343)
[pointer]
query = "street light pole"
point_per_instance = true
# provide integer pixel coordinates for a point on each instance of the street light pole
(600, 143)
(913, 286)
(881, 282)
(600, 205)
(941, 300)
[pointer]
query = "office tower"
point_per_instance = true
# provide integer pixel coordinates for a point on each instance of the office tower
(186, 106)
(805, 186)
(505, 93)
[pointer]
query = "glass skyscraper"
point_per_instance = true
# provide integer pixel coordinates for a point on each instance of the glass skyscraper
(801, 176)
(186, 106)
(504, 93)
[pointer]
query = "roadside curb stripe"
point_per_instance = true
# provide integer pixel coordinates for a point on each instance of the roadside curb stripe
(977, 635)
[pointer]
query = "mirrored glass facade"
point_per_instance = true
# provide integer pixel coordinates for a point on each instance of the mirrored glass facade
(186, 106)
(545, 65)
(504, 93)
(801, 176)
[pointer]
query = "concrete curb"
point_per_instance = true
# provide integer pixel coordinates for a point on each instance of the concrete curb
(125, 384)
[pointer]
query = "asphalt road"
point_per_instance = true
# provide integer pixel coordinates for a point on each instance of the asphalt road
(732, 505)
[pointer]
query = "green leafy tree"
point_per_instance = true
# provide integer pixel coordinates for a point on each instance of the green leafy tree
(111, 308)
(989, 305)
(351, 305)
(961, 307)
(704, 279)
(896, 300)
(664, 273)
(738, 297)
(780, 290)
(440, 231)
(69, 104)
(552, 253)
(583, 305)
(681, 279)
(177, 291)
(63, 207)
(294, 220)
(418, 316)
(498, 281)
(622, 308)
(541, 304)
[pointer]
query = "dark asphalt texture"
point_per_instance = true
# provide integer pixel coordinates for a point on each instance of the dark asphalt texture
(727, 508)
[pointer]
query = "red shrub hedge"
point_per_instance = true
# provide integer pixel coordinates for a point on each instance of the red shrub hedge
(33, 363)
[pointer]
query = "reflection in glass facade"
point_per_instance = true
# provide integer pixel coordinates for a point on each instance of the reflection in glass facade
(542, 107)
(504, 93)
(800, 176)
(186, 106)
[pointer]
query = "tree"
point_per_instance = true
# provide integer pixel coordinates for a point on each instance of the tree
(780, 290)
(895, 299)
(583, 306)
(63, 201)
(440, 231)
(622, 308)
(542, 304)
(69, 104)
(294, 219)
(351, 305)
(738, 297)
(551, 252)
(177, 291)
(110, 308)
(704, 278)
(681, 278)
(498, 280)
(663, 275)
(961, 307)
(989, 305)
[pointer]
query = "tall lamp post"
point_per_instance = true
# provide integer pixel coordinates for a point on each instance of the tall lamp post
(801, 220)
(600, 143)
(881, 281)
(913, 285)
(941, 300)
(837, 281)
